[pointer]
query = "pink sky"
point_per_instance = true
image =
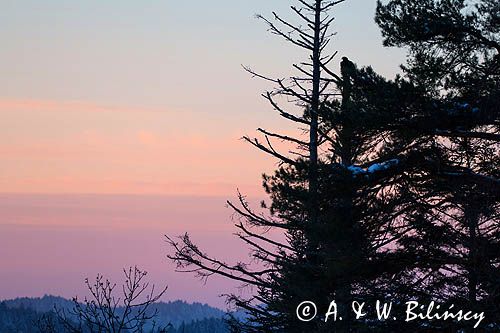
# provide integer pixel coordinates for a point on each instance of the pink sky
(51, 243)
(90, 189)
(71, 147)
(121, 122)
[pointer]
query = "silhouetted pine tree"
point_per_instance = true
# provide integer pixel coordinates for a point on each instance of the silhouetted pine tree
(455, 59)
(395, 194)
(340, 198)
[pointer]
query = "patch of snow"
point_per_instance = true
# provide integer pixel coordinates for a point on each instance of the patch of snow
(382, 166)
(356, 170)
(376, 167)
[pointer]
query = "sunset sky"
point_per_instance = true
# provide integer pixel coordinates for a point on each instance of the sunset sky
(121, 122)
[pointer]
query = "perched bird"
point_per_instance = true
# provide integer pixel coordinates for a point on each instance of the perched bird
(347, 68)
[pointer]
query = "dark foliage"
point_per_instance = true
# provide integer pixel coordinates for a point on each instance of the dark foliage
(455, 59)
(393, 195)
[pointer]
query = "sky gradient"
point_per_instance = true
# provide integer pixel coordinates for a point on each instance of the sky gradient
(123, 118)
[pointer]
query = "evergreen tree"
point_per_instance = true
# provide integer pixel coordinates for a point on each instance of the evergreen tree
(455, 59)
(339, 199)
(286, 264)
(397, 198)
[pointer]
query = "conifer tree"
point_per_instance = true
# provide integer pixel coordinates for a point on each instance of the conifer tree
(339, 198)
(455, 59)
(393, 193)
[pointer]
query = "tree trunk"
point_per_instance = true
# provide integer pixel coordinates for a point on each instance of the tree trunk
(313, 131)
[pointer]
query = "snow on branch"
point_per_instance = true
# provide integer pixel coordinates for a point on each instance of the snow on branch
(376, 167)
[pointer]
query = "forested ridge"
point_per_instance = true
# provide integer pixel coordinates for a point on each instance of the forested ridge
(22, 315)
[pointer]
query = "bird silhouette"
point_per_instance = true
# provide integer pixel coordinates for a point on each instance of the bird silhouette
(347, 69)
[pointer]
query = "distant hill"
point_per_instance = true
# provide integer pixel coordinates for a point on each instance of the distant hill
(210, 325)
(19, 315)
(14, 320)
(179, 312)
(43, 304)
